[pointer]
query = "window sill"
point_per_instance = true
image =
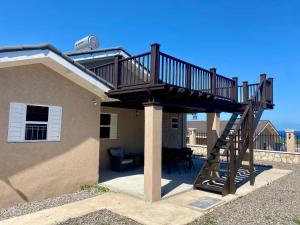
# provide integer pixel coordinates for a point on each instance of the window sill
(31, 141)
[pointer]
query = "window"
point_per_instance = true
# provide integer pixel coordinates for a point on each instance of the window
(108, 125)
(174, 123)
(34, 123)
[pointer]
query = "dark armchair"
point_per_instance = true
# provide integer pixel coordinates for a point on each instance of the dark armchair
(119, 161)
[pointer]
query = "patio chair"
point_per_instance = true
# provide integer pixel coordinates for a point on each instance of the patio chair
(119, 161)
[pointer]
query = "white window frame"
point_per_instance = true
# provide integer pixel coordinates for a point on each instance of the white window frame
(37, 122)
(110, 126)
(175, 128)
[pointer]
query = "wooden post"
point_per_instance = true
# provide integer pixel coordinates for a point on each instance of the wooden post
(117, 71)
(188, 76)
(251, 134)
(235, 89)
(263, 79)
(231, 165)
(213, 72)
(270, 90)
(154, 68)
(245, 91)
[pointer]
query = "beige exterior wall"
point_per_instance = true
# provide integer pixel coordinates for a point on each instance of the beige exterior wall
(32, 171)
(173, 138)
(131, 132)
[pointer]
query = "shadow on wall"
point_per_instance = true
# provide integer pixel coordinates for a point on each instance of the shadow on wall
(37, 170)
(32, 171)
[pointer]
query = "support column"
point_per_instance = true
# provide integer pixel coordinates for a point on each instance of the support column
(290, 140)
(192, 137)
(213, 133)
(153, 151)
(212, 129)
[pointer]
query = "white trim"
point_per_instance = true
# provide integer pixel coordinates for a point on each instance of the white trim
(97, 55)
(24, 122)
(113, 126)
(57, 63)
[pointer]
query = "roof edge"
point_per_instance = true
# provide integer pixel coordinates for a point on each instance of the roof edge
(50, 47)
(82, 52)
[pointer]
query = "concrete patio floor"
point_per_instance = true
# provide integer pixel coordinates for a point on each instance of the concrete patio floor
(132, 181)
(173, 210)
(178, 181)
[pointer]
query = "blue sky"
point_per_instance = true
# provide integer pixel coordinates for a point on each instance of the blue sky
(239, 38)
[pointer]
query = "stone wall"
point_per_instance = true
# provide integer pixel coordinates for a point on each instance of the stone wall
(260, 155)
(275, 156)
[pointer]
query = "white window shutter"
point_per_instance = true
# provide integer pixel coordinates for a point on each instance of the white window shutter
(54, 123)
(16, 124)
(113, 126)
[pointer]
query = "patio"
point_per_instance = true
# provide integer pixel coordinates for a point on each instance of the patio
(178, 181)
(182, 208)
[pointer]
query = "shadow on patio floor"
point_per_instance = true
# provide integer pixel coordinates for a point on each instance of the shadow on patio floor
(179, 180)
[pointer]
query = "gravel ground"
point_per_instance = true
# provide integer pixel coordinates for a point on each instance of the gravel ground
(101, 217)
(25, 208)
(278, 203)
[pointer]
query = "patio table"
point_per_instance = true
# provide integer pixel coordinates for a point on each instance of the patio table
(171, 155)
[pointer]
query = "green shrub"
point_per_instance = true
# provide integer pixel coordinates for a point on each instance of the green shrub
(94, 187)
(209, 220)
(296, 221)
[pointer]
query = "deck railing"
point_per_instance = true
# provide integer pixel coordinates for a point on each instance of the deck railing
(134, 70)
(105, 71)
(248, 91)
(155, 67)
(183, 74)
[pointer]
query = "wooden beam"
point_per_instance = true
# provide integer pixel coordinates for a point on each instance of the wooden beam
(154, 69)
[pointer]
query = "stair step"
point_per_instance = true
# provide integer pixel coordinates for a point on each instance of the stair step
(219, 170)
(208, 187)
(213, 161)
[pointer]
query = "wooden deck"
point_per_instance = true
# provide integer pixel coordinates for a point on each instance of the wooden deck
(179, 86)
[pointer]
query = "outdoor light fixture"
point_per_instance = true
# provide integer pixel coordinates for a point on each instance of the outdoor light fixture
(94, 101)
(137, 113)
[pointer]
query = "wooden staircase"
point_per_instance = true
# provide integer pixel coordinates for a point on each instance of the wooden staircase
(236, 143)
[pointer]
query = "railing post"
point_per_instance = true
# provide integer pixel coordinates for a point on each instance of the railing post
(270, 90)
(188, 76)
(154, 68)
(213, 72)
(263, 79)
(117, 71)
(251, 142)
(245, 91)
(231, 165)
(235, 89)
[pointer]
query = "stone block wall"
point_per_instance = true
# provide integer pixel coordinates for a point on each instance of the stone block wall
(260, 155)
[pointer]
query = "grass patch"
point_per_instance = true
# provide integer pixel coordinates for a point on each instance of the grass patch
(209, 220)
(94, 187)
(296, 221)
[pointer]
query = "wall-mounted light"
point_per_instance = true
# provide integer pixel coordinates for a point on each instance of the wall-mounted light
(94, 101)
(137, 113)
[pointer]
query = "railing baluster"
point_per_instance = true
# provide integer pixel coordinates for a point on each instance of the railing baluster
(213, 72)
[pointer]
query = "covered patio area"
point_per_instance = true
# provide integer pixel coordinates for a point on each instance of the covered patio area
(177, 182)
(132, 181)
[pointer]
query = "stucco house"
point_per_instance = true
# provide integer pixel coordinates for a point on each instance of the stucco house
(61, 112)
(266, 136)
